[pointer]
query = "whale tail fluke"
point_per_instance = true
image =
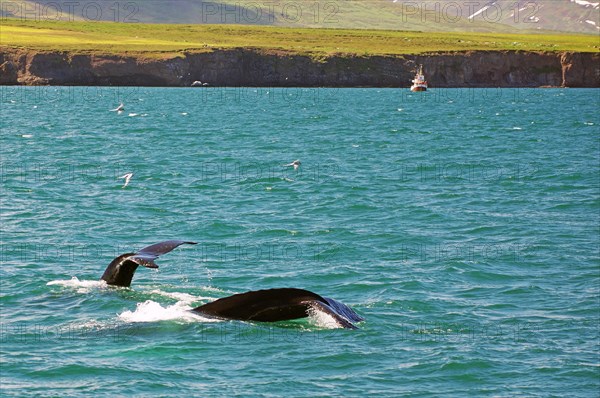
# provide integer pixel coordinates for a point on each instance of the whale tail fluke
(148, 254)
(120, 271)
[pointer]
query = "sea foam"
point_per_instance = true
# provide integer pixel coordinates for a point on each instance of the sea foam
(82, 286)
(151, 311)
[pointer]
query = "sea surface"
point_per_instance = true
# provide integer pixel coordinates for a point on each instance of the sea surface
(462, 224)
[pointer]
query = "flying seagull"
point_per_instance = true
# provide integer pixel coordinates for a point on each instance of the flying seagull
(119, 108)
(127, 177)
(295, 163)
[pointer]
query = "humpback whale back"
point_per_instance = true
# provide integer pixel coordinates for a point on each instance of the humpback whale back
(120, 270)
(277, 305)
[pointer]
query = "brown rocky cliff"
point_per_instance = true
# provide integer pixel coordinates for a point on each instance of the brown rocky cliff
(248, 67)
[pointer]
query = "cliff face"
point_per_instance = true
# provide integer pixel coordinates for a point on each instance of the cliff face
(247, 67)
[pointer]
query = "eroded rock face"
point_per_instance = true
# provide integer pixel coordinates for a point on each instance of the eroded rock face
(248, 67)
(8, 69)
(579, 69)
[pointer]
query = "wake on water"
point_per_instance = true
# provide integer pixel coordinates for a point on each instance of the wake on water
(152, 311)
(81, 286)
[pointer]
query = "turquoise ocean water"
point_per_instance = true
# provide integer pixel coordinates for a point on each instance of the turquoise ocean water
(462, 224)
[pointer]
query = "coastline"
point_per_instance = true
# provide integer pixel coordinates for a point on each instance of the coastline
(239, 67)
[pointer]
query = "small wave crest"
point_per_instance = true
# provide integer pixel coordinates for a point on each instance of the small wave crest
(82, 286)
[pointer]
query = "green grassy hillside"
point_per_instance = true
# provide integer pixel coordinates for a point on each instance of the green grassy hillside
(500, 16)
(156, 40)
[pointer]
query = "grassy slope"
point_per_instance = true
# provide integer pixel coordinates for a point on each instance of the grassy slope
(362, 14)
(432, 15)
(167, 40)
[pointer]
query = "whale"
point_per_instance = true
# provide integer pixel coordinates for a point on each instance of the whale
(268, 305)
(120, 270)
(279, 304)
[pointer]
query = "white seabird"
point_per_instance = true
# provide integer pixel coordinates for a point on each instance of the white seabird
(295, 163)
(127, 177)
(119, 108)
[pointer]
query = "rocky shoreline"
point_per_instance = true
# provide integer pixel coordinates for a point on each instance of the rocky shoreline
(254, 67)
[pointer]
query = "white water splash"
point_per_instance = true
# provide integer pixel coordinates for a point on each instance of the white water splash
(214, 289)
(322, 319)
(83, 286)
(151, 311)
(184, 298)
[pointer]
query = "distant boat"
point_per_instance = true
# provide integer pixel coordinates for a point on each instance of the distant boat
(198, 83)
(419, 83)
